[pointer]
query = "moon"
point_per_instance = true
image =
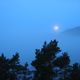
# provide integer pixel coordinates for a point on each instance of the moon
(56, 28)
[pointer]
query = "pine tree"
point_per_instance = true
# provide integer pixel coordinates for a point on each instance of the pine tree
(4, 67)
(44, 61)
(11, 69)
(63, 63)
(75, 74)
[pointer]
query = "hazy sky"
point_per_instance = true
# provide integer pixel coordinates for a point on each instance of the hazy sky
(24, 21)
(38, 14)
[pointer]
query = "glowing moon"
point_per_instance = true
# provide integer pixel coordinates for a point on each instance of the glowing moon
(56, 28)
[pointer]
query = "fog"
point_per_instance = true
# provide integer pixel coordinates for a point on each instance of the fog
(26, 45)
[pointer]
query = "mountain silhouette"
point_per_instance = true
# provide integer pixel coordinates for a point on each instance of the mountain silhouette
(73, 31)
(69, 41)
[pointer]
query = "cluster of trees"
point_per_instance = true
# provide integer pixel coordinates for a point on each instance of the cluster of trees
(48, 65)
(11, 69)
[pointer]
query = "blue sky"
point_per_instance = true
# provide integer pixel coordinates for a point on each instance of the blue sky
(39, 14)
(23, 21)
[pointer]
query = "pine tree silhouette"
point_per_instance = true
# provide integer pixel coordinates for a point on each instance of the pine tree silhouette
(11, 69)
(75, 74)
(44, 61)
(63, 63)
(4, 67)
(48, 65)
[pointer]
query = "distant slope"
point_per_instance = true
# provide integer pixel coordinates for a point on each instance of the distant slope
(74, 31)
(69, 41)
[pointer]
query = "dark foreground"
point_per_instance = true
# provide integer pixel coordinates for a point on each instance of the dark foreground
(49, 64)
